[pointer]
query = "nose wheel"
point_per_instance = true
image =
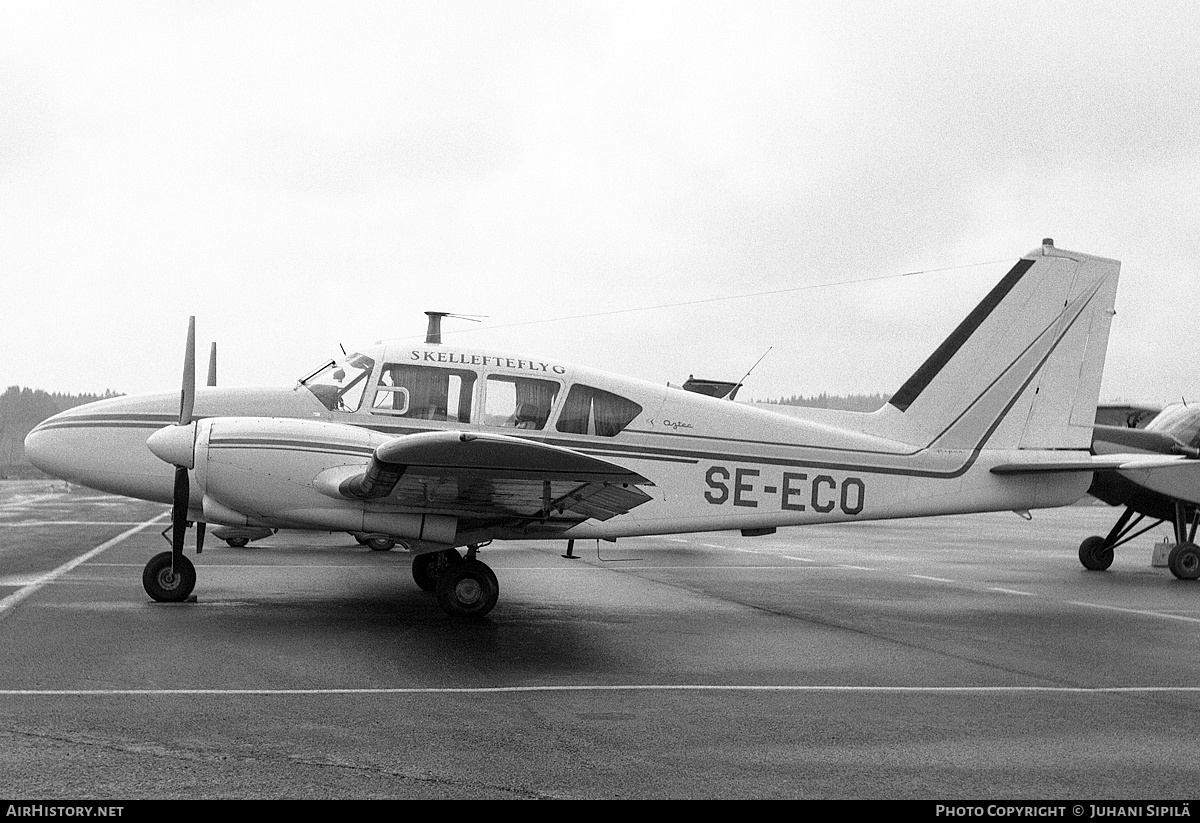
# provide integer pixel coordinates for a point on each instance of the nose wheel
(169, 579)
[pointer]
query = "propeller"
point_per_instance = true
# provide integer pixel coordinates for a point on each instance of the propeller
(212, 381)
(174, 444)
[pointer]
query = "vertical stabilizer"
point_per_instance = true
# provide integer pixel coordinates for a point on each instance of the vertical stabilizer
(1023, 369)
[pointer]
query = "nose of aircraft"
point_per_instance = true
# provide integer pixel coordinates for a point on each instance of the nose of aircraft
(102, 445)
(174, 444)
(48, 451)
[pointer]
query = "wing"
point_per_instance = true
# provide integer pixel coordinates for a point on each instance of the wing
(488, 476)
(1112, 438)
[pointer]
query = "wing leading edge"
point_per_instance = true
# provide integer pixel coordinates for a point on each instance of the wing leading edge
(491, 475)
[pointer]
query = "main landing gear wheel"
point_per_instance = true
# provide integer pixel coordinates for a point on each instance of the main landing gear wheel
(238, 542)
(167, 585)
(380, 544)
(1094, 554)
(428, 567)
(467, 589)
(1184, 561)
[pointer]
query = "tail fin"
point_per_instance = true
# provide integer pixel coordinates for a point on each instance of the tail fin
(1023, 369)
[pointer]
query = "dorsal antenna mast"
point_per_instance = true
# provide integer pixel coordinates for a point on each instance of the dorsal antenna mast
(433, 330)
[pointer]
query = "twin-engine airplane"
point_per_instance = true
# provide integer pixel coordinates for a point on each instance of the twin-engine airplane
(445, 447)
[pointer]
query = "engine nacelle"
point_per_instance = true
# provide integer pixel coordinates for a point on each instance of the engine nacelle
(262, 471)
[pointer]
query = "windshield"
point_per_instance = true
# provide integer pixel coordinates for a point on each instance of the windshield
(339, 384)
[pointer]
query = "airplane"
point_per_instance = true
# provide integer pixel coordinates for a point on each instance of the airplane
(448, 448)
(1165, 493)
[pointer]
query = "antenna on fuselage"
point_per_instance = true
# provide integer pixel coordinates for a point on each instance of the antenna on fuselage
(212, 364)
(433, 331)
(733, 393)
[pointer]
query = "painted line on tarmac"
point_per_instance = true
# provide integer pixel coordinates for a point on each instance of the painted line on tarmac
(16, 597)
(31, 523)
(600, 688)
(934, 579)
(507, 569)
(1143, 612)
(1011, 591)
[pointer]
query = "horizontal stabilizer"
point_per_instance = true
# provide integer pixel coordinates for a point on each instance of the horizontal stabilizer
(1095, 463)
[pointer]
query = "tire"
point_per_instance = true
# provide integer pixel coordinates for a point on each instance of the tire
(428, 567)
(1094, 555)
(380, 544)
(166, 586)
(238, 542)
(1184, 561)
(467, 589)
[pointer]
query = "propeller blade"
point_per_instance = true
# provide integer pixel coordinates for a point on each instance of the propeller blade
(212, 365)
(179, 510)
(187, 395)
(199, 537)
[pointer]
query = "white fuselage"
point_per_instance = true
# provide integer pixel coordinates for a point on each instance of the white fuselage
(713, 464)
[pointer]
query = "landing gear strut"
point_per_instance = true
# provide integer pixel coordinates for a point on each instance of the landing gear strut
(428, 567)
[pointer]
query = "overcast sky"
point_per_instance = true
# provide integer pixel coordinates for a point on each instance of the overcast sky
(304, 175)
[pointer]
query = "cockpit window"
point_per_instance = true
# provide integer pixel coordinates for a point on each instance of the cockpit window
(424, 392)
(595, 411)
(339, 384)
(518, 402)
(1181, 422)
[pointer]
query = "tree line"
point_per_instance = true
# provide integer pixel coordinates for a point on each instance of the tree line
(23, 408)
(845, 402)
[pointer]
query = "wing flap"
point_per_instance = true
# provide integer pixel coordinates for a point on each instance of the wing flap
(602, 501)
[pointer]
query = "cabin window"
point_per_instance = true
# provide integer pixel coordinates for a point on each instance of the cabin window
(595, 411)
(340, 384)
(424, 393)
(518, 402)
